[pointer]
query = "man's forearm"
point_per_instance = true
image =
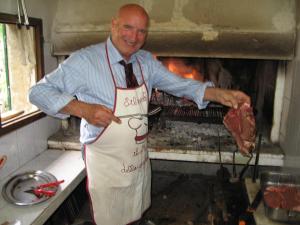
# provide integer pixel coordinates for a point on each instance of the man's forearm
(226, 97)
(95, 114)
(74, 108)
(209, 94)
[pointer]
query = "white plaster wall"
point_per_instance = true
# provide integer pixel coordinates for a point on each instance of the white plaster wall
(27, 142)
(290, 132)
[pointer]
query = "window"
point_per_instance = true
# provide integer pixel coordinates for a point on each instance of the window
(21, 66)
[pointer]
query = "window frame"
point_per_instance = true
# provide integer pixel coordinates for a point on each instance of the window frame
(20, 121)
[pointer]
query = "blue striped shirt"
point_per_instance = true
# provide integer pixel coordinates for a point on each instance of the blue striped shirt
(86, 75)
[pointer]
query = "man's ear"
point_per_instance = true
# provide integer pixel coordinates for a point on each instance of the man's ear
(114, 22)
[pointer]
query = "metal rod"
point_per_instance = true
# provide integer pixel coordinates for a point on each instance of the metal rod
(152, 112)
(255, 171)
(219, 150)
(132, 115)
(233, 164)
(19, 13)
(246, 166)
(25, 13)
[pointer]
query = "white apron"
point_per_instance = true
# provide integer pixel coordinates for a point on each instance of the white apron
(117, 163)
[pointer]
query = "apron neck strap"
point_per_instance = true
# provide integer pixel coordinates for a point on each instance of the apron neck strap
(111, 72)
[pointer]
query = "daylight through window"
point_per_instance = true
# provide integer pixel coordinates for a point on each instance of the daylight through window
(21, 66)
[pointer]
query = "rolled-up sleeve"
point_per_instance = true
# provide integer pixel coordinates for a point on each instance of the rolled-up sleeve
(59, 87)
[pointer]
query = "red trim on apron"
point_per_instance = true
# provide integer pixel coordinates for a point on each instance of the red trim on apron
(142, 137)
(91, 164)
(87, 185)
(115, 84)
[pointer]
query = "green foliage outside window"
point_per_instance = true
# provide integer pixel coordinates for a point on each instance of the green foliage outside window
(4, 87)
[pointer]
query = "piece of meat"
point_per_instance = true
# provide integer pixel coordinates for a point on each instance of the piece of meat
(284, 197)
(273, 199)
(241, 124)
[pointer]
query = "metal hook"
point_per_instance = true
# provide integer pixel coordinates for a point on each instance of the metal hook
(255, 171)
(22, 12)
(19, 24)
(26, 23)
(246, 166)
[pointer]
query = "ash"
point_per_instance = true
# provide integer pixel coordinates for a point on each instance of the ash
(190, 136)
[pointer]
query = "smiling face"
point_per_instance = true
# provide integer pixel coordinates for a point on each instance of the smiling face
(129, 30)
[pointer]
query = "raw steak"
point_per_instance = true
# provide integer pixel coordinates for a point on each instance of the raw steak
(284, 197)
(241, 123)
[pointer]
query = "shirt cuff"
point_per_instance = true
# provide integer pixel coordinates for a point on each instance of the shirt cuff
(63, 101)
(199, 101)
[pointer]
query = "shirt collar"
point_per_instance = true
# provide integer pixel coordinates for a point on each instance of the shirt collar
(114, 54)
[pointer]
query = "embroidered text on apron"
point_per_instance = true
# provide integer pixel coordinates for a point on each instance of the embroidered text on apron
(117, 163)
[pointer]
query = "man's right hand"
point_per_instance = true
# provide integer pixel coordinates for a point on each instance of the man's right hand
(97, 115)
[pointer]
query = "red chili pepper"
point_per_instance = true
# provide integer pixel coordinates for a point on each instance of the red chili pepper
(40, 191)
(52, 184)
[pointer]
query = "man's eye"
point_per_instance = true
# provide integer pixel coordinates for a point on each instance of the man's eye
(143, 31)
(127, 27)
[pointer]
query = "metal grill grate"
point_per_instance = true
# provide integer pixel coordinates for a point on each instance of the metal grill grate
(213, 114)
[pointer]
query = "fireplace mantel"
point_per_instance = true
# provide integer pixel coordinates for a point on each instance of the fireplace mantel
(261, 29)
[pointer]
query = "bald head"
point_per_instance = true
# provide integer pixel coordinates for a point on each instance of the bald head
(132, 9)
(129, 29)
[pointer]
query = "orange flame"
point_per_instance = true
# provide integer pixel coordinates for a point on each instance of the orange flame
(179, 68)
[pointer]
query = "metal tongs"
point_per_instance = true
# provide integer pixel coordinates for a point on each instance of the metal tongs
(151, 113)
(44, 189)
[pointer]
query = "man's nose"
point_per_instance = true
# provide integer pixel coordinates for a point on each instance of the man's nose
(134, 35)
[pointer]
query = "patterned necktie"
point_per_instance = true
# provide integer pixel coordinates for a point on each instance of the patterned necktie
(130, 77)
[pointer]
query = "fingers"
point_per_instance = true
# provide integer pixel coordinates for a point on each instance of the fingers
(100, 116)
(106, 116)
(116, 119)
(230, 98)
(235, 98)
(227, 98)
(104, 121)
(242, 97)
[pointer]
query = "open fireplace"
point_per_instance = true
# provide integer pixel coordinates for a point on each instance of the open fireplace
(234, 45)
(182, 127)
(255, 77)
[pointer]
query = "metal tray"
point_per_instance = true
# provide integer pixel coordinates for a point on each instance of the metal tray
(278, 179)
(14, 189)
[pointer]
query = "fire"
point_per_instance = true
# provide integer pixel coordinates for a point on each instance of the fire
(178, 67)
(191, 75)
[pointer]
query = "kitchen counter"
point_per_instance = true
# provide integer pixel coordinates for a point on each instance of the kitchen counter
(64, 165)
(259, 214)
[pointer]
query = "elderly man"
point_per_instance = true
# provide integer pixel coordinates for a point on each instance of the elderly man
(112, 82)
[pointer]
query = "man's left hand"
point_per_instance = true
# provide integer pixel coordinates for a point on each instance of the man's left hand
(230, 98)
